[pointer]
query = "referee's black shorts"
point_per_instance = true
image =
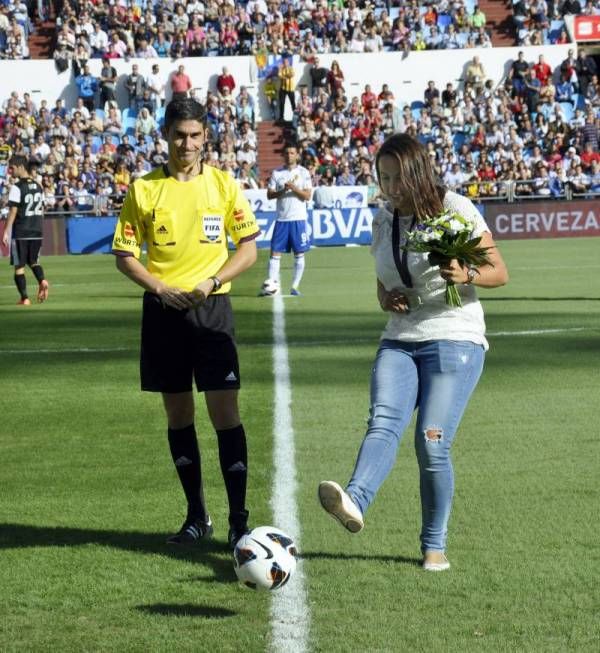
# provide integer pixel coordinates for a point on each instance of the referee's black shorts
(179, 347)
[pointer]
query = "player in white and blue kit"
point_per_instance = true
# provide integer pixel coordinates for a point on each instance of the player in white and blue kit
(291, 186)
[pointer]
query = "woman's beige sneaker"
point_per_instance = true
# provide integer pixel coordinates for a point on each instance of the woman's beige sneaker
(436, 562)
(339, 505)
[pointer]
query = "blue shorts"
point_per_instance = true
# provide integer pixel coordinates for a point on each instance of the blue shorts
(290, 236)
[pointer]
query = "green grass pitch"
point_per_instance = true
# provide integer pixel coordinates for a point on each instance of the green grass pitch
(88, 492)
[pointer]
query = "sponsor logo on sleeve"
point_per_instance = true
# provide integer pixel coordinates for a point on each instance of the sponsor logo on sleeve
(238, 215)
(128, 230)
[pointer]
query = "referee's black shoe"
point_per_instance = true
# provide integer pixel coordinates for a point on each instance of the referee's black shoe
(192, 532)
(238, 527)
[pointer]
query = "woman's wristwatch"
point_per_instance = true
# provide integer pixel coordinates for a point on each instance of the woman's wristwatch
(472, 272)
(217, 284)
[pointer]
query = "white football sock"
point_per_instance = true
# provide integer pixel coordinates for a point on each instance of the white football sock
(299, 264)
(274, 265)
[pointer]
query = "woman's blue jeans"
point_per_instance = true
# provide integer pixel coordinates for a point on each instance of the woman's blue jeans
(437, 377)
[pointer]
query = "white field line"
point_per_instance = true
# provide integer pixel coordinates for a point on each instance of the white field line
(298, 343)
(290, 616)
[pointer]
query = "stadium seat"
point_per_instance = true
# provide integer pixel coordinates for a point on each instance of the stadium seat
(417, 104)
(568, 111)
(579, 101)
(160, 116)
(462, 38)
(416, 114)
(554, 31)
(458, 139)
(96, 143)
(100, 113)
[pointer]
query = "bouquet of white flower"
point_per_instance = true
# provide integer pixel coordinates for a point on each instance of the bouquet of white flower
(444, 237)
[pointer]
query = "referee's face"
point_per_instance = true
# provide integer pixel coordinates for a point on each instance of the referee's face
(186, 143)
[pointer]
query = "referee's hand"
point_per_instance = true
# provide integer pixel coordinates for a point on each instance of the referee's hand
(175, 298)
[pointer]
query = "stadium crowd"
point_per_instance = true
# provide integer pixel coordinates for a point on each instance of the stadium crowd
(188, 28)
(541, 22)
(537, 127)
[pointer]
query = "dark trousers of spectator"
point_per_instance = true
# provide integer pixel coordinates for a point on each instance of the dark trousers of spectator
(106, 95)
(282, 96)
(88, 103)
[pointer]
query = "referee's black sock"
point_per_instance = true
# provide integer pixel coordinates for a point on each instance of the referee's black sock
(38, 271)
(233, 457)
(186, 456)
(21, 284)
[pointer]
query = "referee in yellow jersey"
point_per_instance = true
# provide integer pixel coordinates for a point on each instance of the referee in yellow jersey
(183, 212)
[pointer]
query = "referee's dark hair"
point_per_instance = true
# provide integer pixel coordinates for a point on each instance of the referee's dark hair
(183, 109)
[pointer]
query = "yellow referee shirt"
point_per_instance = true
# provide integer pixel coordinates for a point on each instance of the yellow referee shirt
(184, 224)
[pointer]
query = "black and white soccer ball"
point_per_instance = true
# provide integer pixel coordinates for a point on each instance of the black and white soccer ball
(270, 287)
(265, 558)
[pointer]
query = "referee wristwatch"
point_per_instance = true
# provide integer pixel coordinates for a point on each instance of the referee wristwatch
(217, 284)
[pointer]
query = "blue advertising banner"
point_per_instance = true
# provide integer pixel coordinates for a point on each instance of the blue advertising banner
(91, 235)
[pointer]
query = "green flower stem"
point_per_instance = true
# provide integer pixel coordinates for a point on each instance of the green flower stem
(452, 296)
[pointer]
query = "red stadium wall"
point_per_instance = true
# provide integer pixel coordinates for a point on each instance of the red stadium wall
(55, 241)
(547, 219)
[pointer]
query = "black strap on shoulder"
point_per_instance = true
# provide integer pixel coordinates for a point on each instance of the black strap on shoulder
(401, 261)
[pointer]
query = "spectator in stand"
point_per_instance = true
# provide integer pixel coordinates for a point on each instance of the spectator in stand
(108, 81)
(112, 122)
(585, 68)
(589, 133)
(592, 95)
(449, 95)
(180, 83)
(225, 81)
(135, 85)
(570, 7)
(318, 77)
(286, 87)
(518, 73)
(156, 87)
(478, 19)
(454, 178)
(367, 97)
(589, 156)
(579, 181)
(270, 89)
(145, 50)
(532, 90)
(86, 86)
(145, 123)
(565, 89)
(335, 78)
(595, 178)
(98, 41)
(162, 44)
(430, 93)
(542, 70)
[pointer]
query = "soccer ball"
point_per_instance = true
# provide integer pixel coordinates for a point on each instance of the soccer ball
(270, 287)
(265, 558)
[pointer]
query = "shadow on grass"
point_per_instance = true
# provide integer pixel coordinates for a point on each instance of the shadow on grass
(320, 555)
(186, 610)
(210, 552)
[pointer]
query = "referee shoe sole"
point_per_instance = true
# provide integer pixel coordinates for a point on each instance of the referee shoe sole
(340, 506)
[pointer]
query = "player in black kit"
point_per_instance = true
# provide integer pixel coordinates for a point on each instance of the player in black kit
(24, 228)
